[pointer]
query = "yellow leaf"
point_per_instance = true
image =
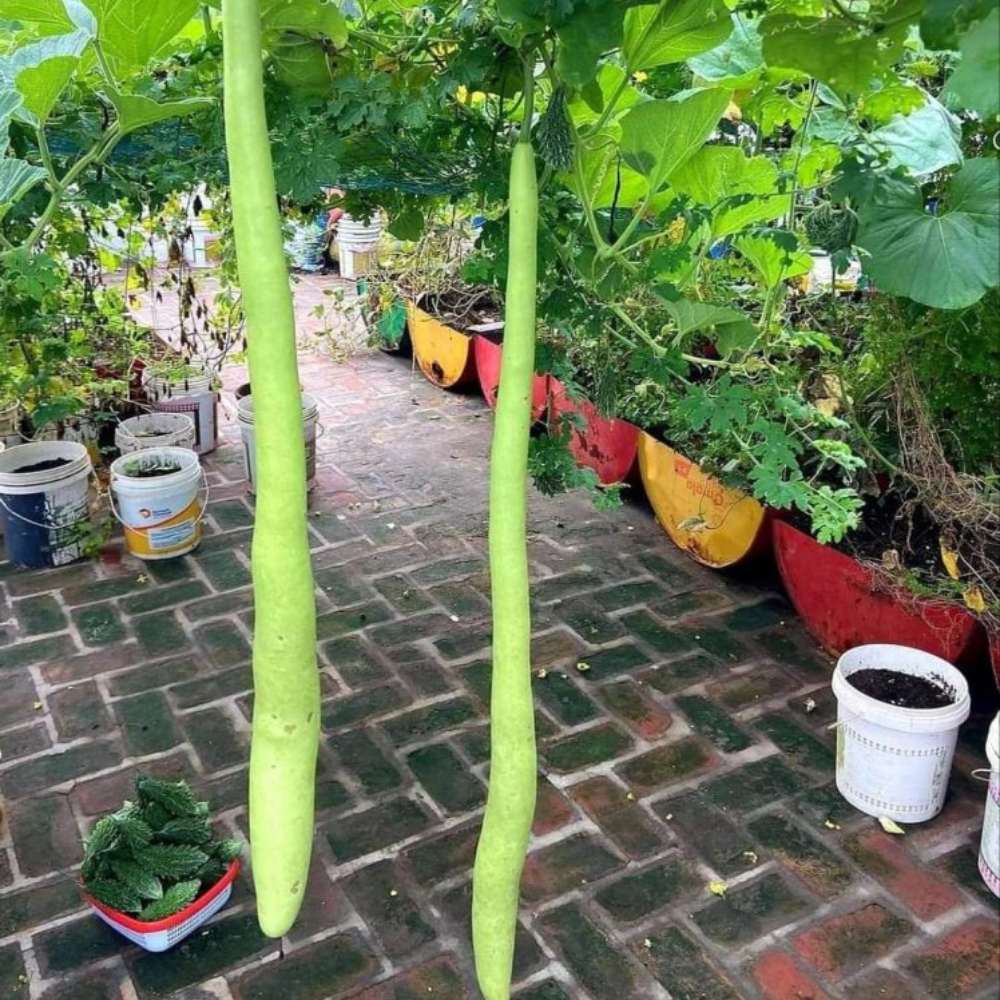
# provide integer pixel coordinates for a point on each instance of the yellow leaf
(950, 560)
(717, 888)
(733, 112)
(890, 827)
(974, 599)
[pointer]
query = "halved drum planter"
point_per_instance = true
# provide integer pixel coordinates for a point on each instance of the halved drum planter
(445, 355)
(841, 605)
(489, 356)
(715, 525)
(606, 445)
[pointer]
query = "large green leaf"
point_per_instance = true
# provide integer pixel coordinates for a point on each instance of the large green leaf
(731, 327)
(582, 40)
(132, 32)
(40, 71)
(975, 83)
(586, 107)
(830, 49)
(311, 18)
(740, 189)
(775, 254)
(660, 136)
(657, 35)
(943, 21)
(17, 178)
(10, 101)
(48, 17)
(136, 111)
(924, 141)
(605, 174)
(948, 259)
(735, 63)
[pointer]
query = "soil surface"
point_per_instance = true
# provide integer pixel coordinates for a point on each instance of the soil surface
(49, 463)
(152, 472)
(904, 690)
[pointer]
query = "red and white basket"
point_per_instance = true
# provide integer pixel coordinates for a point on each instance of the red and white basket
(159, 935)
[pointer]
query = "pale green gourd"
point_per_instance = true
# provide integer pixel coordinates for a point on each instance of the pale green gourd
(513, 764)
(286, 681)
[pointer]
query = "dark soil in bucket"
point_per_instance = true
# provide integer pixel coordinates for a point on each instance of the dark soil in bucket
(152, 471)
(903, 690)
(49, 463)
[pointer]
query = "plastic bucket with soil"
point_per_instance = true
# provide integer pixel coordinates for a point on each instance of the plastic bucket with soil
(155, 430)
(898, 713)
(989, 848)
(193, 395)
(43, 502)
(310, 432)
(156, 495)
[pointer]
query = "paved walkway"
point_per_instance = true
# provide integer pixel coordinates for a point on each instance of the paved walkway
(695, 749)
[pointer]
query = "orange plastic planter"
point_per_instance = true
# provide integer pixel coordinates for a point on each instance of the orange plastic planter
(715, 525)
(445, 355)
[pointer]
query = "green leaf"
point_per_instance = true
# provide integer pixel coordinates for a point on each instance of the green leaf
(740, 189)
(132, 32)
(944, 21)
(665, 33)
(174, 900)
(171, 860)
(114, 894)
(975, 83)
(737, 62)
(135, 111)
(48, 17)
(775, 255)
(307, 17)
(591, 32)
(660, 136)
(604, 173)
(302, 65)
(947, 260)
(924, 141)
(136, 879)
(586, 108)
(731, 328)
(17, 178)
(41, 70)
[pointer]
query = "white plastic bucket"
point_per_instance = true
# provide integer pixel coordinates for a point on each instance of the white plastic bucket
(894, 761)
(10, 424)
(45, 513)
(989, 847)
(155, 430)
(161, 515)
(194, 396)
(310, 432)
(357, 245)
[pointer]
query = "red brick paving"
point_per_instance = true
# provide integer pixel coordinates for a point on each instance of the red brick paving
(683, 755)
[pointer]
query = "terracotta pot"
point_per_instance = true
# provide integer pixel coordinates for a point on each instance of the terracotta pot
(445, 355)
(713, 524)
(607, 446)
(843, 606)
(489, 355)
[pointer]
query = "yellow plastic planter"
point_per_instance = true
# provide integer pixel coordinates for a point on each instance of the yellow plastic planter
(445, 355)
(715, 525)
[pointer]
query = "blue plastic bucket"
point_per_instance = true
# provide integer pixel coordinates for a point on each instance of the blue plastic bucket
(43, 502)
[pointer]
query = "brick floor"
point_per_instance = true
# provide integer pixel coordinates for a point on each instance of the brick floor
(683, 756)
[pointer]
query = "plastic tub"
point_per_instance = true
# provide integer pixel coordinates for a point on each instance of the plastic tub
(155, 430)
(193, 395)
(161, 514)
(45, 513)
(310, 432)
(893, 761)
(989, 847)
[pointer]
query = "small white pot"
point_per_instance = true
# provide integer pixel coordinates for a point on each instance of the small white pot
(989, 849)
(893, 761)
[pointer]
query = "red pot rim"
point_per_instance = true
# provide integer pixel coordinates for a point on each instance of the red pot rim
(152, 926)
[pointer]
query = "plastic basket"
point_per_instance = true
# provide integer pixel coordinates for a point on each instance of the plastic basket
(160, 935)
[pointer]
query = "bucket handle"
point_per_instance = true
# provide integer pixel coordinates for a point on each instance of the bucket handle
(982, 774)
(38, 524)
(203, 490)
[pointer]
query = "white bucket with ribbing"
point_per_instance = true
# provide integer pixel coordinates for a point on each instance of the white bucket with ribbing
(989, 846)
(893, 761)
(357, 245)
(191, 394)
(156, 494)
(155, 430)
(310, 432)
(44, 502)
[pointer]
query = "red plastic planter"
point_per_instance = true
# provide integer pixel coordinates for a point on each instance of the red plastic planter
(994, 640)
(489, 356)
(159, 935)
(841, 605)
(609, 447)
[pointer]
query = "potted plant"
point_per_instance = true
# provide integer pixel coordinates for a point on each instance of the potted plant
(154, 870)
